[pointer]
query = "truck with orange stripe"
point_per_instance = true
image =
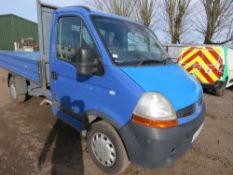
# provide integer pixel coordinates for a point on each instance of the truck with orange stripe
(211, 65)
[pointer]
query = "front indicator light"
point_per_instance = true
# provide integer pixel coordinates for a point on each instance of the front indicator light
(154, 123)
(154, 110)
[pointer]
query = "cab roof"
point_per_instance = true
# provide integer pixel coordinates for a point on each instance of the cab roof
(87, 11)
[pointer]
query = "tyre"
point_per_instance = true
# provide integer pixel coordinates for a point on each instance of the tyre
(16, 97)
(220, 92)
(106, 148)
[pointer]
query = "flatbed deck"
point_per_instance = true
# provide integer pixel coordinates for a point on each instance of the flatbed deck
(25, 64)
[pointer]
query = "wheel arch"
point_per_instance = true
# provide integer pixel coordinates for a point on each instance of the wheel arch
(92, 116)
(8, 78)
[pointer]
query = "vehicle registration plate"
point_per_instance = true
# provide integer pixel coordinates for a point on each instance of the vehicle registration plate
(197, 133)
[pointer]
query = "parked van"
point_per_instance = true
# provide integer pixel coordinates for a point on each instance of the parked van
(211, 65)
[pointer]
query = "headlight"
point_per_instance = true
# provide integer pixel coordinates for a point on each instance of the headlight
(154, 110)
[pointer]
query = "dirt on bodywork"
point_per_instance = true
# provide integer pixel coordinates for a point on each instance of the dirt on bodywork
(33, 142)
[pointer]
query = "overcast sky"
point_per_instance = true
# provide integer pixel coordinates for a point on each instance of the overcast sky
(27, 9)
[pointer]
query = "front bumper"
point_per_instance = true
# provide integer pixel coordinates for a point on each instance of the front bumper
(152, 147)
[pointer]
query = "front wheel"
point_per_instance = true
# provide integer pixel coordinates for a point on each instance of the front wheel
(106, 148)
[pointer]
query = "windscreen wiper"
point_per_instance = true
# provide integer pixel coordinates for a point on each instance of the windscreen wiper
(148, 61)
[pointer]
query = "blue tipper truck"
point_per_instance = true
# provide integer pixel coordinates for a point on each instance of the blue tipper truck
(111, 79)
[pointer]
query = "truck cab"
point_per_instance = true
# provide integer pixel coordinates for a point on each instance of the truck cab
(111, 79)
(116, 70)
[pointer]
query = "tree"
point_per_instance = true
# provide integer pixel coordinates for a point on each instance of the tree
(217, 21)
(176, 12)
(118, 7)
(145, 11)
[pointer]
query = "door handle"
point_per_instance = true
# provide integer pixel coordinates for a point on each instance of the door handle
(54, 75)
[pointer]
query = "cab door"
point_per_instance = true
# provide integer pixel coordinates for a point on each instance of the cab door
(69, 90)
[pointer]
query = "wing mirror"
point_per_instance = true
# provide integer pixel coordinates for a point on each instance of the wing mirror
(87, 61)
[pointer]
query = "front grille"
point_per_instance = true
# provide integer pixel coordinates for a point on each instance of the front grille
(187, 111)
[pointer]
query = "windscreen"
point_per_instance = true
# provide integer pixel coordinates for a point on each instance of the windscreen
(129, 43)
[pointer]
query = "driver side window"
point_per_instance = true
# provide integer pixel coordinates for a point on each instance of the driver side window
(71, 35)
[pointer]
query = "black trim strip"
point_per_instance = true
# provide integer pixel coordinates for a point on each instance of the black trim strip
(231, 81)
(48, 6)
(187, 111)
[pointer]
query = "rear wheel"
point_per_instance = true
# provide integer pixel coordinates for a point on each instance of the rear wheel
(220, 92)
(106, 148)
(16, 97)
